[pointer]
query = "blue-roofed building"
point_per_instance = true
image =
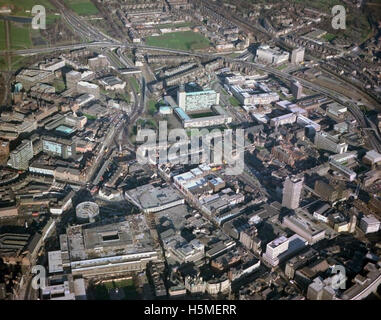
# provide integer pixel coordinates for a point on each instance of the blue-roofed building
(18, 87)
(65, 129)
(164, 110)
(181, 114)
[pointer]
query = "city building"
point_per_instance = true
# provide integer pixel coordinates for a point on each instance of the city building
(336, 111)
(325, 141)
(269, 55)
(72, 78)
(331, 193)
(151, 199)
(297, 55)
(64, 148)
(52, 65)
(98, 63)
(206, 121)
(282, 248)
(287, 118)
(4, 148)
(165, 110)
(304, 227)
(64, 287)
(372, 157)
(30, 77)
(296, 89)
(369, 224)
(321, 289)
(249, 96)
(292, 190)
(110, 249)
(20, 157)
(197, 100)
(113, 83)
(346, 172)
(87, 87)
(182, 251)
(87, 212)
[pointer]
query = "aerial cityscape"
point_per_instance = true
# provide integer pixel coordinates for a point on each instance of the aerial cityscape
(190, 150)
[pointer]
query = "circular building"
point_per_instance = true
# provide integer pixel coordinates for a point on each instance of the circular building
(87, 211)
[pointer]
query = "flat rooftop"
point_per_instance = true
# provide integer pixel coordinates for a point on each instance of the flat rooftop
(100, 240)
(149, 196)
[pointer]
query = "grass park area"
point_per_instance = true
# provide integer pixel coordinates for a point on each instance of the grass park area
(152, 107)
(282, 66)
(329, 37)
(20, 37)
(19, 34)
(89, 116)
(234, 102)
(135, 84)
(17, 62)
(22, 8)
(202, 115)
(59, 85)
(82, 7)
(184, 40)
(2, 35)
(107, 290)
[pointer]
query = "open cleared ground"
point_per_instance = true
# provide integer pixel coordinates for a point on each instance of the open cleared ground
(175, 25)
(82, 7)
(184, 40)
(324, 5)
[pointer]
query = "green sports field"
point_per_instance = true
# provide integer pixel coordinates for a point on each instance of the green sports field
(19, 7)
(184, 40)
(20, 37)
(82, 7)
